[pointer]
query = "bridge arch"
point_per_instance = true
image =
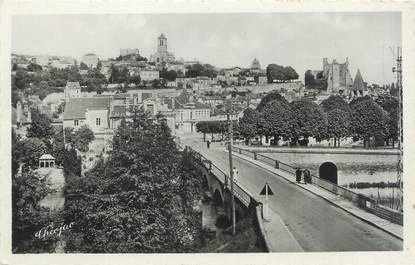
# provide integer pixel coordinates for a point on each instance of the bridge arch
(328, 171)
(217, 198)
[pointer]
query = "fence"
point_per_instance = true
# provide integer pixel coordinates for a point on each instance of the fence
(360, 200)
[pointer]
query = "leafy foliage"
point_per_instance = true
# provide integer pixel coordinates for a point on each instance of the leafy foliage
(41, 126)
(141, 198)
(369, 119)
(277, 119)
(338, 123)
(274, 95)
(310, 119)
(334, 102)
(248, 124)
(29, 151)
(28, 189)
(280, 73)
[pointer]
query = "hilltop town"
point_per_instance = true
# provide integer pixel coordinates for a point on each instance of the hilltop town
(99, 93)
(130, 135)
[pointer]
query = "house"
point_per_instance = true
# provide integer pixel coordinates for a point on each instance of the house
(188, 112)
(149, 75)
(92, 111)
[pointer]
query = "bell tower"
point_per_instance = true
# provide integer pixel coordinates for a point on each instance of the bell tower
(162, 43)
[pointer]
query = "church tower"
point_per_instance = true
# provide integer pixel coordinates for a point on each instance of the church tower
(162, 43)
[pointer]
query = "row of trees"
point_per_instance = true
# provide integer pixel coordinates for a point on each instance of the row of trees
(141, 198)
(215, 127)
(374, 122)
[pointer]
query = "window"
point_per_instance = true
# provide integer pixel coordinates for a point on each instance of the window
(98, 121)
(75, 122)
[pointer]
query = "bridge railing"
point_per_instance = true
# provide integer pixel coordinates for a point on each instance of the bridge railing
(360, 200)
(239, 192)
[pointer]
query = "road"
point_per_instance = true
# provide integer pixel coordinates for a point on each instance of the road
(316, 224)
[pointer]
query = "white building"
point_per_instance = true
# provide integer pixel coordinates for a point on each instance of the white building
(90, 59)
(149, 75)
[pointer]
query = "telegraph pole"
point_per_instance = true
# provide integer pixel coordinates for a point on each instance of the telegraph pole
(230, 138)
(400, 127)
(398, 71)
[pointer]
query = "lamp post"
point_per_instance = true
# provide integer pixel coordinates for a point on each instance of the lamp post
(230, 138)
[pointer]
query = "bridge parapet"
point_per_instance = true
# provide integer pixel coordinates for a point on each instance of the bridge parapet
(360, 200)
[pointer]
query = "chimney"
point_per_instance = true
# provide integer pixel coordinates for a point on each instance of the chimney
(18, 112)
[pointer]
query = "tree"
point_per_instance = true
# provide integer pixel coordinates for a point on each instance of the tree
(140, 199)
(203, 127)
(248, 124)
(309, 120)
(28, 217)
(290, 73)
(309, 80)
(29, 151)
(115, 74)
(21, 80)
(275, 72)
(393, 90)
(83, 66)
(338, 124)
(32, 67)
(156, 83)
(369, 120)
(82, 137)
(334, 102)
(274, 95)
(277, 120)
(388, 103)
(393, 132)
(168, 75)
(41, 126)
(135, 79)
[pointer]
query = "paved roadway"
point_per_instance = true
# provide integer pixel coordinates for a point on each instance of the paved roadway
(316, 224)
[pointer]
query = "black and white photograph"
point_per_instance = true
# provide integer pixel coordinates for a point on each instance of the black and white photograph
(206, 132)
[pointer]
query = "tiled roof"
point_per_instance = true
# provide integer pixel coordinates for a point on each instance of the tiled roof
(183, 102)
(76, 107)
(46, 156)
(119, 111)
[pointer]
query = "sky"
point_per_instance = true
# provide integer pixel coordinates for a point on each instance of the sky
(299, 40)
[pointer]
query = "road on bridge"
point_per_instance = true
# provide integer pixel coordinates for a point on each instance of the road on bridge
(316, 224)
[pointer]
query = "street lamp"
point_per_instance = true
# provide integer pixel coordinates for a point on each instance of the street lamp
(230, 138)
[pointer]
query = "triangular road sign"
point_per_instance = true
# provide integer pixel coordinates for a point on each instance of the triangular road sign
(264, 190)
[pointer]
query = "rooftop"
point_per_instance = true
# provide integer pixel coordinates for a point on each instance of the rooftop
(76, 107)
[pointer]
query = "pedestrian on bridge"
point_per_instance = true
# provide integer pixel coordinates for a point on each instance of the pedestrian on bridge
(235, 174)
(307, 176)
(208, 144)
(298, 174)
